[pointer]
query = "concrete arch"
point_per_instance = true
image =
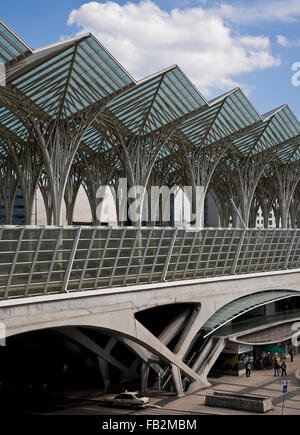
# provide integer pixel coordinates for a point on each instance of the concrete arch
(125, 325)
(114, 311)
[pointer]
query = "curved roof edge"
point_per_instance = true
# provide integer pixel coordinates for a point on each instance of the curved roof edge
(240, 306)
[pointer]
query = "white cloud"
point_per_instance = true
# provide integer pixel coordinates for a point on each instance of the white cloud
(287, 11)
(146, 39)
(284, 42)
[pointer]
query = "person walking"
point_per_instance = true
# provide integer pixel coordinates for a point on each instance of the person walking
(276, 367)
(283, 369)
(291, 352)
(248, 369)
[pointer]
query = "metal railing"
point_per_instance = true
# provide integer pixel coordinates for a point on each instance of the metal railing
(47, 260)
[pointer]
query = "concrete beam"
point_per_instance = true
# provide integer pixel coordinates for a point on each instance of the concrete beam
(174, 328)
(111, 344)
(76, 335)
(216, 350)
(191, 329)
(103, 367)
(203, 354)
(161, 350)
(144, 378)
(139, 351)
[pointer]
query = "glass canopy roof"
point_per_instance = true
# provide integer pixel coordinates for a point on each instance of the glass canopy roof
(64, 80)
(11, 46)
(242, 305)
(156, 102)
(223, 117)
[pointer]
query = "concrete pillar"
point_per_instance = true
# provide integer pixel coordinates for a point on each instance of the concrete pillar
(217, 348)
(176, 377)
(144, 378)
(192, 327)
(110, 345)
(152, 343)
(103, 367)
(174, 328)
(203, 355)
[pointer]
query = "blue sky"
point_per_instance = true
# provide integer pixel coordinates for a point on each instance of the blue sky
(252, 44)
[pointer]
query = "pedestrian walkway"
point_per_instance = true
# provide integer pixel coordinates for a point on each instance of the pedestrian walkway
(260, 383)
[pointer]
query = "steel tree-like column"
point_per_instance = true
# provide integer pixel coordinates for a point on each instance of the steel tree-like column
(266, 196)
(165, 176)
(295, 208)
(59, 143)
(9, 186)
(253, 211)
(287, 177)
(103, 168)
(245, 174)
(71, 191)
(138, 156)
(199, 165)
(28, 165)
(223, 207)
(298, 218)
(224, 190)
(277, 211)
(47, 197)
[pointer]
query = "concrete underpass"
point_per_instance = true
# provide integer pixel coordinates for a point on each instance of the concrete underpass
(76, 356)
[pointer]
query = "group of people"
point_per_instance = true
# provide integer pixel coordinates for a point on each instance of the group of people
(266, 361)
(263, 362)
(278, 367)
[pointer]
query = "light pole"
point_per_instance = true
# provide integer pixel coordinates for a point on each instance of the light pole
(284, 390)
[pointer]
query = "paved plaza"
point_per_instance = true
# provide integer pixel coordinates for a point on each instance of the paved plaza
(260, 383)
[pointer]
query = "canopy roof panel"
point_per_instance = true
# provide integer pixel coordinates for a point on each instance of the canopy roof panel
(11, 45)
(278, 132)
(223, 117)
(156, 101)
(68, 77)
(281, 127)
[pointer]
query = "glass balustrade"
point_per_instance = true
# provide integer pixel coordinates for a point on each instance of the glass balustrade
(38, 260)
